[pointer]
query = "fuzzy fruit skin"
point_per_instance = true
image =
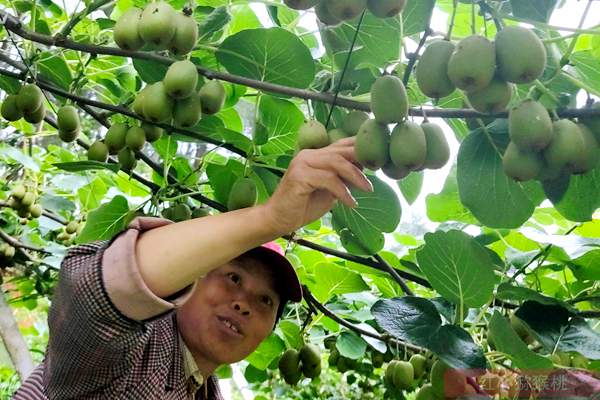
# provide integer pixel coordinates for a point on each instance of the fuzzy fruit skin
(115, 137)
(98, 151)
(135, 138)
(419, 362)
(312, 135)
(438, 150)
(473, 63)
(30, 98)
(426, 393)
(372, 145)
(185, 37)
(530, 126)
(404, 375)
(68, 136)
(10, 110)
(353, 121)
(521, 165)
(177, 213)
(324, 15)
(35, 210)
(346, 9)
(289, 367)
(590, 156)
(126, 31)
(212, 96)
(243, 194)
(300, 4)
(394, 171)
(386, 8)
(311, 360)
(181, 79)
(158, 106)
(18, 192)
(138, 103)
(187, 112)
(408, 146)
(37, 116)
(67, 118)
(566, 146)
(437, 377)
(200, 212)
(389, 101)
(493, 98)
(520, 54)
(28, 199)
(127, 159)
(389, 372)
(153, 133)
(157, 24)
(336, 134)
(432, 70)
(71, 227)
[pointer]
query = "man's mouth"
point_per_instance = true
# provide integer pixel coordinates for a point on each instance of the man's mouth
(231, 325)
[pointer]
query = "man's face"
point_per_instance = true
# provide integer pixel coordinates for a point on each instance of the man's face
(232, 310)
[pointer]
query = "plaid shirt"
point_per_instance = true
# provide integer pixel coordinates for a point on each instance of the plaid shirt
(110, 336)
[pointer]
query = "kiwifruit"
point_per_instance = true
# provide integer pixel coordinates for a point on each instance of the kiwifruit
(28, 200)
(372, 145)
(567, 145)
(493, 98)
(35, 210)
(212, 96)
(115, 137)
(419, 363)
(98, 151)
(158, 106)
(530, 126)
(289, 366)
(126, 159)
(346, 9)
(310, 356)
(30, 98)
(324, 15)
(336, 134)
(426, 393)
(181, 79)
(126, 31)
(18, 192)
(521, 165)
(68, 136)
(408, 145)
(67, 118)
(520, 54)
(10, 111)
(153, 132)
(438, 150)
(404, 375)
(157, 24)
(243, 194)
(312, 135)
(590, 156)
(473, 63)
(36, 116)
(186, 35)
(432, 70)
(138, 103)
(389, 101)
(386, 8)
(300, 4)
(135, 138)
(352, 122)
(71, 227)
(394, 171)
(187, 112)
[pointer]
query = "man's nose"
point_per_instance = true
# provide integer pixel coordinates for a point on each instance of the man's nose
(241, 307)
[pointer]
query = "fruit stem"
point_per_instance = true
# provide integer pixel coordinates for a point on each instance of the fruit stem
(452, 19)
(542, 88)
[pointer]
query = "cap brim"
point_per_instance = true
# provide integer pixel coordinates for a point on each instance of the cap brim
(287, 280)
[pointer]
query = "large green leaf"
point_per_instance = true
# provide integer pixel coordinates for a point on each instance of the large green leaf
(446, 205)
(506, 291)
(411, 186)
(79, 166)
(106, 221)
(90, 196)
(507, 341)
(150, 71)
(482, 182)
(212, 23)
(332, 279)
(222, 178)
(587, 65)
(458, 268)
(268, 350)
(350, 345)
(55, 69)
(377, 212)
(416, 16)
(536, 10)
(272, 55)
(291, 333)
(417, 321)
(281, 119)
(586, 266)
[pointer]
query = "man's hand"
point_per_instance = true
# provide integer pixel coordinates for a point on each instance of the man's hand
(313, 182)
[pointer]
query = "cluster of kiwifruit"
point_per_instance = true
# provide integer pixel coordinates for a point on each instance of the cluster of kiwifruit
(157, 27)
(28, 104)
(333, 12)
(23, 201)
(182, 212)
(293, 364)
(69, 231)
(7, 252)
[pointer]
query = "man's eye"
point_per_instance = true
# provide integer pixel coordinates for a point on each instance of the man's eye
(234, 277)
(267, 300)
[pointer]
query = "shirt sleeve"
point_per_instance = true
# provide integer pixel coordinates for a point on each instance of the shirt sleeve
(101, 315)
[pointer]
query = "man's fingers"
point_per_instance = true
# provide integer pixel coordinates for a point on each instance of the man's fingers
(346, 170)
(349, 141)
(331, 182)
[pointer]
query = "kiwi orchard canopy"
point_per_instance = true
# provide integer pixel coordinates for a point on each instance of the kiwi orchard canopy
(118, 109)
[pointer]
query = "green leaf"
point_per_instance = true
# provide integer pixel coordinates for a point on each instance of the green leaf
(506, 291)
(332, 279)
(15, 154)
(411, 186)
(417, 321)
(482, 182)
(291, 334)
(377, 212)
(586, 266)
(222, 178)
(150, 71)
(55, 69)
(106, 221)
(271, 55)
(9, 84)
(508, 342)
(79, 166)
(224, 372)
(267, 351)
(213, 23)
(91, 195)
(555, 328)
(446, 205)
(350, 345)
(457, 267)
(536, 10)
(254, 375)
(416, 16)
(581, 198)
(281, 118)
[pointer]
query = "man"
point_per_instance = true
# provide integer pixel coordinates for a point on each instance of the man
(152, 313)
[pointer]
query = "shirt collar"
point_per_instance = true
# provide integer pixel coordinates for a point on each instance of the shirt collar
(189, 364)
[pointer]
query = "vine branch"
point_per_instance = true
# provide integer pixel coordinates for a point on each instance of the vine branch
(19, 245)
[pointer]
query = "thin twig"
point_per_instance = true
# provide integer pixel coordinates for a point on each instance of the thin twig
(413, 57)
(93, 6)
(394, 275)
